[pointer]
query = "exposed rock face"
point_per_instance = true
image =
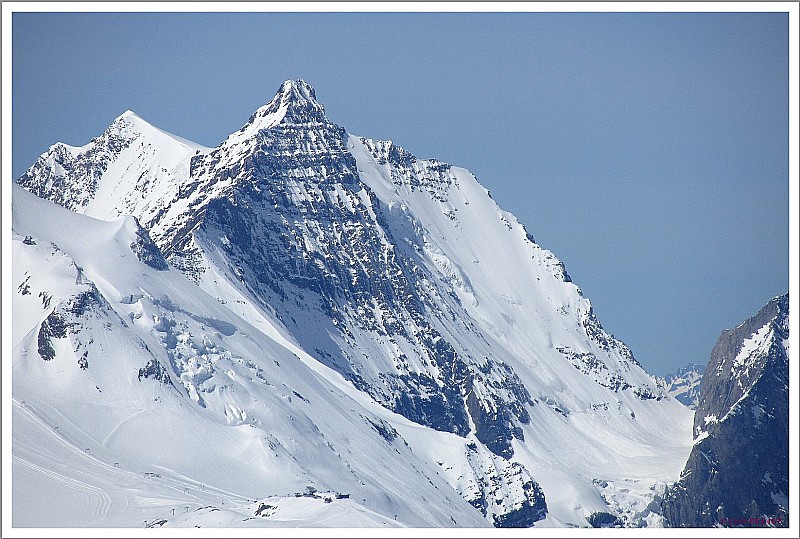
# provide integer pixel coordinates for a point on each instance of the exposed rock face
(738, 471)
(147, 251)
(503, 492)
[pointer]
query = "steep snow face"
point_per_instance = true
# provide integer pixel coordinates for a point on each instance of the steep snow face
(500, 277)
(403, 276)
(529, 315)
(136, 394)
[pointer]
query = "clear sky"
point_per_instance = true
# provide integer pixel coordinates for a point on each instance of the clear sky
(649, 152)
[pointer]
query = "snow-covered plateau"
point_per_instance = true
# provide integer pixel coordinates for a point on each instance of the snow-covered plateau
(303, 327)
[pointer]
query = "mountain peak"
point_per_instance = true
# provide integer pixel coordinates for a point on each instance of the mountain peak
(294, 103)
(128, 122)
(292, 91)
(128, 114)
(130, 118)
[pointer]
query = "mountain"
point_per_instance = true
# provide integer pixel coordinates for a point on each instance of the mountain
(685, 384)
(738, 471)
(401, 280)
(147, 165)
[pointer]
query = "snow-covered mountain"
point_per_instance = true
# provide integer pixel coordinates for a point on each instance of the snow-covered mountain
(685, 384)
(738, 471)
(413, 315)
(147, 165)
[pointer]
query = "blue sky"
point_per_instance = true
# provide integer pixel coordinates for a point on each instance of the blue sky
(649, 152)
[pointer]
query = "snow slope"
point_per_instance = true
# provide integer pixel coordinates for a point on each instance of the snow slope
(181, 404)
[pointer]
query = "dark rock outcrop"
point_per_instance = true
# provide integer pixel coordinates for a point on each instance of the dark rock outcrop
(147, 251)
(738, 471)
